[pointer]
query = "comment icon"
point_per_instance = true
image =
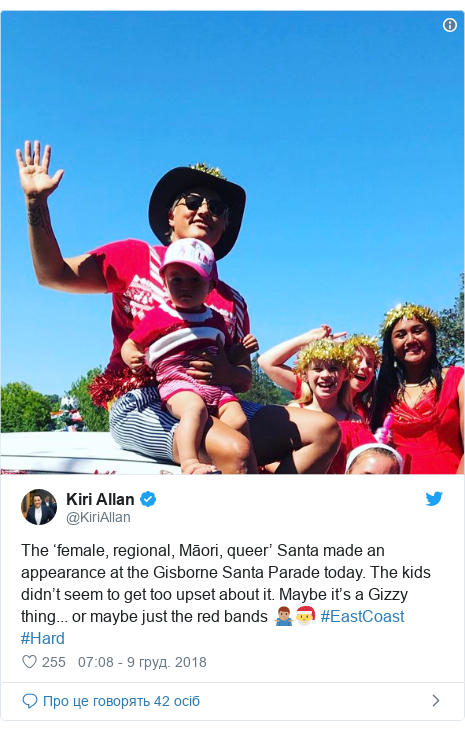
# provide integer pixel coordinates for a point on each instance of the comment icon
(30, 700)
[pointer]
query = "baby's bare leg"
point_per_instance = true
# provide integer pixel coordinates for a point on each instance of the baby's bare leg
(233, 416)
(192, 413)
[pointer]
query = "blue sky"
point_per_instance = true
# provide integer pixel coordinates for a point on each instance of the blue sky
(345, 129)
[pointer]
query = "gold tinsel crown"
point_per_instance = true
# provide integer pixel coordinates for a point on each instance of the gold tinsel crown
(203, 167)
(409, 311)
(361, 340)
(327, 350)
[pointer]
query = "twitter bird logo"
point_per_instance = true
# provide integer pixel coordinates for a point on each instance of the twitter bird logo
(433, 499)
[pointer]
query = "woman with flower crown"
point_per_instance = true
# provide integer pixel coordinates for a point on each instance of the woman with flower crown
(187, 202)
(320, 382)
(424, 399)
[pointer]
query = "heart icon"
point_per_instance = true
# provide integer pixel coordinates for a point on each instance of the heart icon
(29, 660)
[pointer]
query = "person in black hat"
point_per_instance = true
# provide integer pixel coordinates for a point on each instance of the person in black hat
(225, 207)
(188, 202)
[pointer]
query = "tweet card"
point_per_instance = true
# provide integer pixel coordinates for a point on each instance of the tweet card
(302, 599)
(306, 169)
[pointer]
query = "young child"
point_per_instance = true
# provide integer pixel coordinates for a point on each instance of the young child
(365, 362)
(365, 359)
(320, 382)
(324, 370)
(170, 332)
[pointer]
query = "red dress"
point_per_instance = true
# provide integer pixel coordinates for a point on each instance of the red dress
(362, 410)
(428, 436)
(354, 433)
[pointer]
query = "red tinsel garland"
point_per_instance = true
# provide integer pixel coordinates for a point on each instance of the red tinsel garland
(115, 383)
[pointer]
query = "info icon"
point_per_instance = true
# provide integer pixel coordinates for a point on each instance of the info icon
(450, 25)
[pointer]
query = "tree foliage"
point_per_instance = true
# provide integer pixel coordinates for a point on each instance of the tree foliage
(54, 401)
(24, 409)
(96, 419)
(450, 332)
(263, 389)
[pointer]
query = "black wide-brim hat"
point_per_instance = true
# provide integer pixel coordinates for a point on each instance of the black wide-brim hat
(181, 180)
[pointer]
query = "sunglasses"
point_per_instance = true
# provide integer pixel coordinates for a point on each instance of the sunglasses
(193, 202)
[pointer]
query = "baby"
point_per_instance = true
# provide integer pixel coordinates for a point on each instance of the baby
(168, 335)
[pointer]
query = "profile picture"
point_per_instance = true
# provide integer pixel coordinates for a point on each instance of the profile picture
(38, 507)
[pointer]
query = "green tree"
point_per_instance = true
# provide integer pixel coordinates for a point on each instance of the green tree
(450, 332)
(54, 401)
(24, 409)
(96, 419)
(263, 389)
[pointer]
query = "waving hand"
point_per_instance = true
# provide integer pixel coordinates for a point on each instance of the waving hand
(33, 173)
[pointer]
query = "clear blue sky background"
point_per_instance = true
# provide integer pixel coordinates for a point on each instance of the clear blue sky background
(345, 129)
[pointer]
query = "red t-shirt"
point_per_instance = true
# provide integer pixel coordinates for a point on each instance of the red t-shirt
(131, 272)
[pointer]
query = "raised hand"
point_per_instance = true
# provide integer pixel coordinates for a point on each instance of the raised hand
(33, 173)
(323, 332)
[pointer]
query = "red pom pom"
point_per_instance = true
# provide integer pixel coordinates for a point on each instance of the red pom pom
(114, 383)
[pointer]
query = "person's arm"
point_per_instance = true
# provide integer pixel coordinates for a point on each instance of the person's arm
(132, 354)
(79, 274)
(461, 411)
(272, 362)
